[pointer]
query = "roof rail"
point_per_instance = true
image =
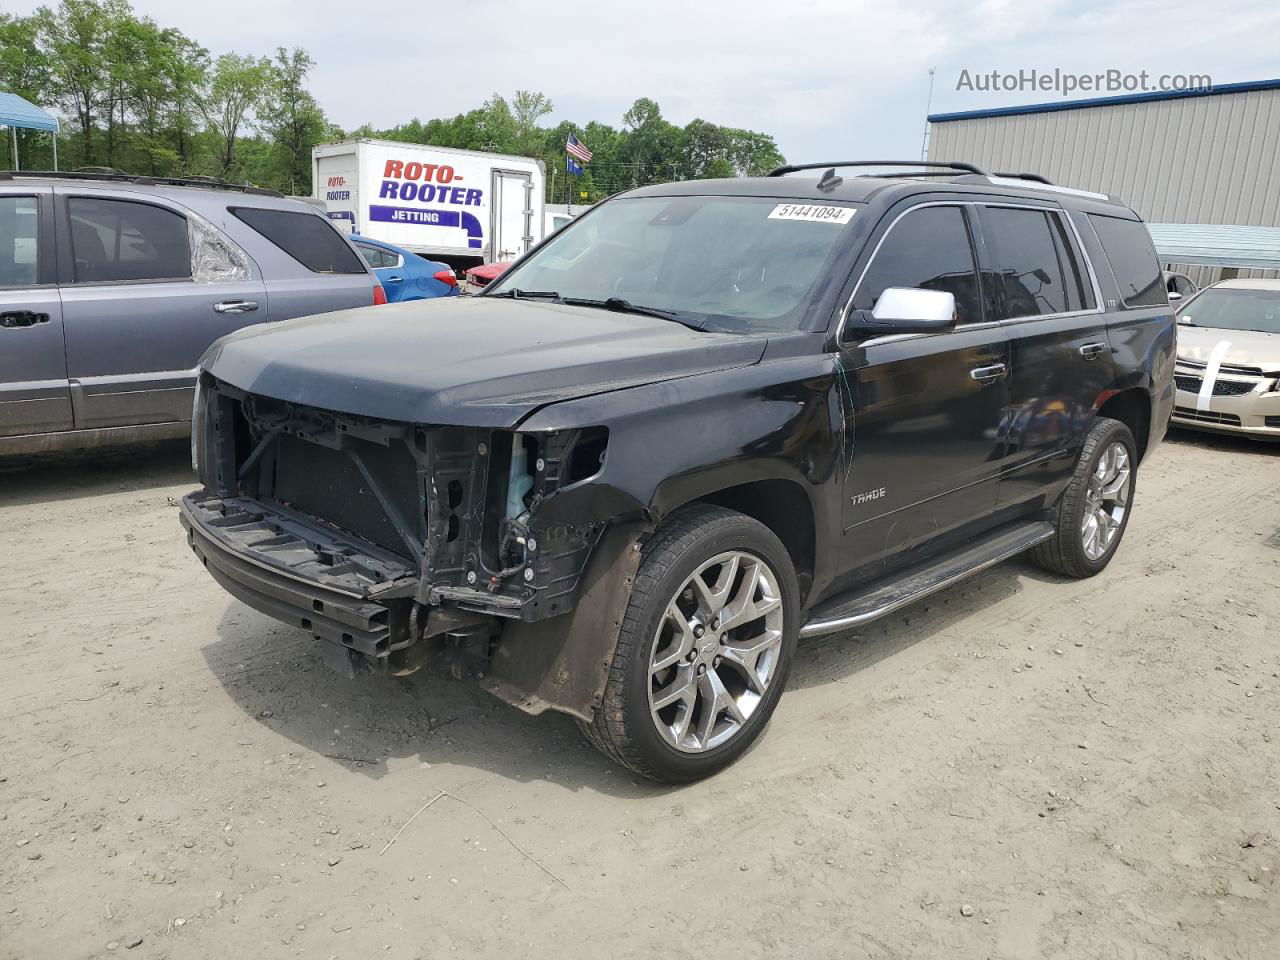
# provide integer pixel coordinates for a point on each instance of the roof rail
(1038, 178)
(99, 175)
(939, 164)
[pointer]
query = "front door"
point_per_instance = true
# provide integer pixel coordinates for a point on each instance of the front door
(34, 394)
(924, 412)
(136, 320)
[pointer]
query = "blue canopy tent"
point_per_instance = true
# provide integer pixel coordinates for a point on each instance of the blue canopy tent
(17, 113)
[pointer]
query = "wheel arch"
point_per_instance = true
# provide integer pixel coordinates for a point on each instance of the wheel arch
(1133, 409)
(785, 508)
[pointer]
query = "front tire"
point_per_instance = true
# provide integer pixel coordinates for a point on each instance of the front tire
(704, 649)
(1091, 516)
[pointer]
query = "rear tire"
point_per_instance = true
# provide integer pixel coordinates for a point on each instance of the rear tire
(1091, 516)
(704, 650)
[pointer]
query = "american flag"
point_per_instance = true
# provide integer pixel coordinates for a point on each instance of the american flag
(577, 148)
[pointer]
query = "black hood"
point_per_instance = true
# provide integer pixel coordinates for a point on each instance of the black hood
(468, 361)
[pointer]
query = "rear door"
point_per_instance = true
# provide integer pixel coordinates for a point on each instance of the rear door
(308, 265)
(34, 394)
(136, 317)
(924, 411)
(1048, 301)
(512, 213)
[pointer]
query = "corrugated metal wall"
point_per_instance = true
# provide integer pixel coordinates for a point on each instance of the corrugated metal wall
(1213, 159)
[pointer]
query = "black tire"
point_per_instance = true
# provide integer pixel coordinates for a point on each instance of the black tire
(623, 728)
(1064, 552)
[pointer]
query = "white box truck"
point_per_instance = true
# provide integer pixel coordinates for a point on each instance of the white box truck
(459, 206)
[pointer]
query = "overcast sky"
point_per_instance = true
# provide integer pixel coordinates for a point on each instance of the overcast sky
(828, 79)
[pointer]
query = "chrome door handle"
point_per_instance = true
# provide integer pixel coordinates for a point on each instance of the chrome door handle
(395, 279)
(988, 374)
(1091, 351)
(235, 306)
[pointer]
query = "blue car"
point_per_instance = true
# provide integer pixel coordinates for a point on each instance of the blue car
(404, 275)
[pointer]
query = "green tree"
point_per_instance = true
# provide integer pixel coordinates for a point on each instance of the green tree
(158, 90)
(527, 108)
(291, 118)
(235, 87)
(73, 40)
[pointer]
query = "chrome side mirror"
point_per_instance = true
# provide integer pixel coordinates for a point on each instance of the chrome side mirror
(907, 310)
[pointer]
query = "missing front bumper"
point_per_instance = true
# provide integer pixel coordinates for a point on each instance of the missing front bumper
(352, 597)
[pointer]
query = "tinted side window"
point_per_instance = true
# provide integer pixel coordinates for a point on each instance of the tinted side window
(928, 248)
(1133, 260)
(1029, 280)
(18, 247)
(307, 237)
(124, 240)
(372, 255)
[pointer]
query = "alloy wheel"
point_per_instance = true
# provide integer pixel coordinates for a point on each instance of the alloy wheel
(1106, 500)
(716, 652)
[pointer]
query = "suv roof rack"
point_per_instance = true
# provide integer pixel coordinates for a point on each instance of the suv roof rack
(1038, 178)
(107, 175)
(943, 168)
(939, 164)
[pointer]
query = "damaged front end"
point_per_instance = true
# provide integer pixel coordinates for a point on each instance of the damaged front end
(394, 542)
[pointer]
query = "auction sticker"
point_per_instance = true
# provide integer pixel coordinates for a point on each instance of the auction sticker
(817, 212)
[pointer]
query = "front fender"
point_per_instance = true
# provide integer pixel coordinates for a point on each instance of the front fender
(669, 444)
(673, 442)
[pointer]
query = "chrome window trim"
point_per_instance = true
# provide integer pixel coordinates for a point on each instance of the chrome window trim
(988, 324)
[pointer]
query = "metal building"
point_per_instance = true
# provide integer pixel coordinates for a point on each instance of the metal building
(1188, 158)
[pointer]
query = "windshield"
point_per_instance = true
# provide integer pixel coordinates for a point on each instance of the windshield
(726, 263)
(1234, 309)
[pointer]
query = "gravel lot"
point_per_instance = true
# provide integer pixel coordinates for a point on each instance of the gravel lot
(1019, 767)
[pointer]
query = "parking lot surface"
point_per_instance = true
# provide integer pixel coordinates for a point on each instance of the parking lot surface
(1021, 766)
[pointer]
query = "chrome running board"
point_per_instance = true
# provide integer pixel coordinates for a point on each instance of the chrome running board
(863, 606)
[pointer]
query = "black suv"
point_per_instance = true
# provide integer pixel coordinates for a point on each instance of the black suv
(704, 420)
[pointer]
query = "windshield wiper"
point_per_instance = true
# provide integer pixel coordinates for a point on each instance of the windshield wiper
(619, 305)
(517, 294)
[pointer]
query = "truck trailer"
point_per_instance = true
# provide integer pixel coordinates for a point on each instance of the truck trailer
(460, 206)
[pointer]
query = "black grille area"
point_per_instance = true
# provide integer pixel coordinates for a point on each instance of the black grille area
(327, 484)
(1271, 421)
(1207, 416)
(1221, 388)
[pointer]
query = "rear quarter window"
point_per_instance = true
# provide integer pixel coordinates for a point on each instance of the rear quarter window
(1133, 260)
(307, 237)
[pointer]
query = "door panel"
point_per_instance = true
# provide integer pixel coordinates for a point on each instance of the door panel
(1062, 361)
(135, 323)
(132, 348)
(926, 441)
(1061, 366)
(34, 394)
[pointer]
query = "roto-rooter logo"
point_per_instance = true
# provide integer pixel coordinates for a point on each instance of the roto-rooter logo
(332, 194)
(426, 183)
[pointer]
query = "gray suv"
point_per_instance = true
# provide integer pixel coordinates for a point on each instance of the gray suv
(111, 287)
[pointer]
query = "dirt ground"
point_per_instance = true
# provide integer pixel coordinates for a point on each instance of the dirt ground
(1019, 767)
